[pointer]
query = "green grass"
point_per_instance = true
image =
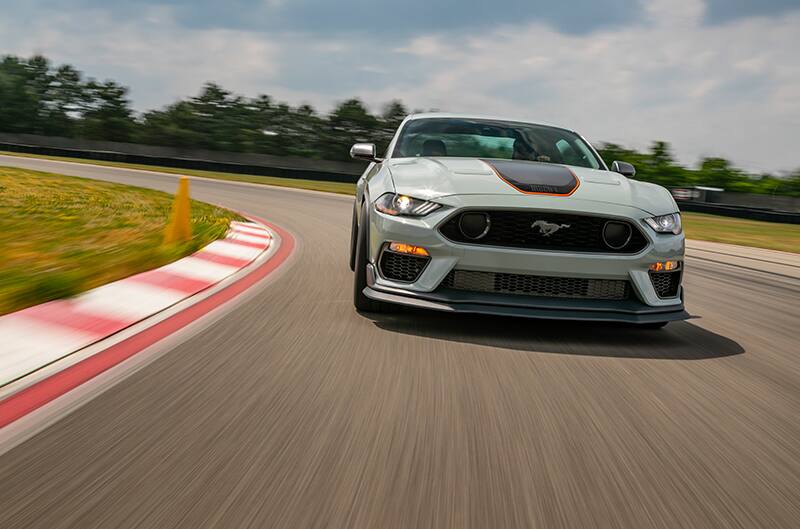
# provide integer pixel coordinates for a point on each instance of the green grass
(61, 235)
(315, 185)
(785, 237)
(744, 232)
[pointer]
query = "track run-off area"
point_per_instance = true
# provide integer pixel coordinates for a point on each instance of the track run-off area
(292, 410)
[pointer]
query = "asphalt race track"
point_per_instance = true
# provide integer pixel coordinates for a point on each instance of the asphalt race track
(294, 411)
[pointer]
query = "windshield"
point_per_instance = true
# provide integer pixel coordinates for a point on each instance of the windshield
(477, 138)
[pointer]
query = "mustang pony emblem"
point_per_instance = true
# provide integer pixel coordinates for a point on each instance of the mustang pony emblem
(546, 229)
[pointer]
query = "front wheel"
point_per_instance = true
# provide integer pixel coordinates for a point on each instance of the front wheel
(362, 302)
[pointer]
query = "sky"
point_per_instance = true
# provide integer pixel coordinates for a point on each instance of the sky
(712, 77)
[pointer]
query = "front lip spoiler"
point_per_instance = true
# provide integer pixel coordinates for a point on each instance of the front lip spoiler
(564, 312)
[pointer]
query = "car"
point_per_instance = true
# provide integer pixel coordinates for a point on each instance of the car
(485, 215)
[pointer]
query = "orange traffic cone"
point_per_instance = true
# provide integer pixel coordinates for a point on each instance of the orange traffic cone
(179, 228)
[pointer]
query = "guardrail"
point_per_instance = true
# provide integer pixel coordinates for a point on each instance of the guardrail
(240, 163)
(741, 212)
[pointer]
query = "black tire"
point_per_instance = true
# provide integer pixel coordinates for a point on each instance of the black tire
(353, 239)
(362, 302)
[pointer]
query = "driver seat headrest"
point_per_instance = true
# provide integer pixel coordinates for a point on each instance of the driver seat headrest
(434, 148)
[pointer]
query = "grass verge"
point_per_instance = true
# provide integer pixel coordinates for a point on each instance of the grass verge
(744, 232)
(61, 235)
(315, 185)
(715, 228)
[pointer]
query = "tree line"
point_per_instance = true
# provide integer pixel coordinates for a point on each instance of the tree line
(37, 97)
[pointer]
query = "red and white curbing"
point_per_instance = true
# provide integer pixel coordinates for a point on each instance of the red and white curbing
(35, 337)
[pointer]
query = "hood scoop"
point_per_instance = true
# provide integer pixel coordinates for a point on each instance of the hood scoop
(535, 177)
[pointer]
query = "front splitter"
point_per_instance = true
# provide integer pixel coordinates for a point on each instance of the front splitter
(529, 311)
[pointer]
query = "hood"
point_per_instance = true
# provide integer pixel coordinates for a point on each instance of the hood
(431, 178)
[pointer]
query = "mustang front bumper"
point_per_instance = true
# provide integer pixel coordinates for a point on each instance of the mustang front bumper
(627, 311)
(642, 306)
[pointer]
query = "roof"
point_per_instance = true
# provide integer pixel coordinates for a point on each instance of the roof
(429, 115)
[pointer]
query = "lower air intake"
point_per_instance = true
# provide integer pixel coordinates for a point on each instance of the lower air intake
(539, 286)
(666, 283)
(401, 267)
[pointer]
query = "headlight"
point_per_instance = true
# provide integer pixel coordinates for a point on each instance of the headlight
(665, 223)
(393, 204)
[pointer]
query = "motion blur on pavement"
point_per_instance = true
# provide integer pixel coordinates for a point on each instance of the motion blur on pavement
(178, 342)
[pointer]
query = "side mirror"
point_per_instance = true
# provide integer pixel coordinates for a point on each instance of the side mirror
(364, 151)
(624, 168)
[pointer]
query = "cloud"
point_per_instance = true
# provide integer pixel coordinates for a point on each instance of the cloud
(373, 17)
(720, 11)
(389, 17)
(159, 60)
(727, 88)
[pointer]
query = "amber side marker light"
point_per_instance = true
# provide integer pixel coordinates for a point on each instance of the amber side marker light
(665, 266)
(400, 247)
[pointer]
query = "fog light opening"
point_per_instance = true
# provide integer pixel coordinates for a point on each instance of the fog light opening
(410, 249)
(617, 235)
(474, 225)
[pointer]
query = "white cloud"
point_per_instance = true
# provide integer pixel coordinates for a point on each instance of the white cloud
(730, 89)
(159, 60)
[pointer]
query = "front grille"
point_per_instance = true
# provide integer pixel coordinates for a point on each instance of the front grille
(539, 286)
(401, 267)
(522, 229)
(666, 283)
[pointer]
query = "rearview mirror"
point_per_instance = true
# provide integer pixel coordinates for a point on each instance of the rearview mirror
(624, 168)
(364, 151)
